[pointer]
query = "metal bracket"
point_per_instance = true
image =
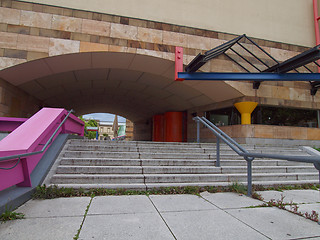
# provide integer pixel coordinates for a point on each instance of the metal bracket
(256, 84)
(178, 63)
(317, 166)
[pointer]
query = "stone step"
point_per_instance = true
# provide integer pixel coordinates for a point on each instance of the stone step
(99, 170)
(137, 143)
(135, 155)
(97, 178)
(216, 184)
(178, 169)
(173, 162)
(270, 169)
(135, 162)
(100, 162)
(128, 186)
(171, 144)
(187, 178)
(176, 178)
(265, 162)
(138, 149)
(97, 154)
(143, 165)
(150, 186)
(224, 152)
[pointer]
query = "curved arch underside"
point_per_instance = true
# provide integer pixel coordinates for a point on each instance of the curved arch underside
(131, 85)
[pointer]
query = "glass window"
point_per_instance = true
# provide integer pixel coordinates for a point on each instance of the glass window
(265, 115)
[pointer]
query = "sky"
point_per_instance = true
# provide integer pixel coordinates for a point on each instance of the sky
(104, 117)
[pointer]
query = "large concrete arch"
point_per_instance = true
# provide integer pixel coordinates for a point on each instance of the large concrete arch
(135, 86)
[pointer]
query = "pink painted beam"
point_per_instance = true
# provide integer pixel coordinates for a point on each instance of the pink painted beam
(8, 124)
(30, 137)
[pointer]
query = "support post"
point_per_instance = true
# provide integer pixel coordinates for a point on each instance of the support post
(198, 131)
(318, 118)
(249, 175)
(246, 108)
(178, 63)
(218, 153)
(26, 173)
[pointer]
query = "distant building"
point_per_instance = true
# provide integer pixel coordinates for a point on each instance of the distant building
(105, 129)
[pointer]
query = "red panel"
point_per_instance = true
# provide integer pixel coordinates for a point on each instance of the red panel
(185, 127)
(179, 63)
(158, 128)
(173, 126)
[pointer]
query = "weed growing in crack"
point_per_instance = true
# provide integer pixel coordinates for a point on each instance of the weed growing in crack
(9, 215)
(84, 217)
(44, 192)
(238, 188)
(257, 196)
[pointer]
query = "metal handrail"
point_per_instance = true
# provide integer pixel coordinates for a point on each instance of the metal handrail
(19, 156)
(249, 157)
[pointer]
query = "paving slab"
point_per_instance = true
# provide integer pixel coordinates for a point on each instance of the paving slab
(276, 223)
(230, 200)
(296, 196)
(59, 207)
(121, 204)
(208, 225)
(167, 203)
(40, 228)
(137, 226)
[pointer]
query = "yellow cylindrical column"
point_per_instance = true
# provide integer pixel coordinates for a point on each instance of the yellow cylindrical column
(245, 108)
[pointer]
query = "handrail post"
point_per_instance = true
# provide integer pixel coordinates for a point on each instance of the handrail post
(218, 153)
(198, 131)
(249, 176)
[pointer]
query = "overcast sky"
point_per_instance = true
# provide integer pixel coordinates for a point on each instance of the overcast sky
(104, 117)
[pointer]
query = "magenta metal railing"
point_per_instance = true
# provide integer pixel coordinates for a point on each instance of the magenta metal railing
(22, 149)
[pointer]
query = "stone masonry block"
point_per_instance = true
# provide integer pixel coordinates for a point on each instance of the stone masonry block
(33, 43)
(35, 19)
(96, 27)
(8, 40)
(124, 31)
(66, 23)
(8, 15)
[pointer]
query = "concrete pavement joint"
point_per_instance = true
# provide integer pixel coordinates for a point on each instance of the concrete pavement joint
(235, 217)
(162, 217)
(84, 218)
(305, 238)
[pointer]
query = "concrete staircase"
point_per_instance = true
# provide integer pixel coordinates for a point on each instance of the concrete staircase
(145, 165)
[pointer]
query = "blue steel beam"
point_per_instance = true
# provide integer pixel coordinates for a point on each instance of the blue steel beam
(249, 76)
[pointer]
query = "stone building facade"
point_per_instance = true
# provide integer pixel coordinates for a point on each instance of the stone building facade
(91, 60)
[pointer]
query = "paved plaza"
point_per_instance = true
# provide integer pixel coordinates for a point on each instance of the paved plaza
(208, 216)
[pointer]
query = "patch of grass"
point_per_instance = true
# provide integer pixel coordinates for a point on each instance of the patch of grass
(44, 192)
(9, 215)
(238, 188)
(281, 188)
(259, 206)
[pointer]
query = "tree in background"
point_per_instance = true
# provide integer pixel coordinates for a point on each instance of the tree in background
(89, 123)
